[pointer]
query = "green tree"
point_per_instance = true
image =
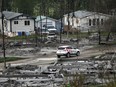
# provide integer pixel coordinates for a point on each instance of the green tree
(35, 7)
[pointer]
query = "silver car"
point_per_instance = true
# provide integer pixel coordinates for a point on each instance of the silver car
(67, 51)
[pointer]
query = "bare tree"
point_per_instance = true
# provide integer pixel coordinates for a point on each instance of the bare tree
(98, 6)
(109, 27)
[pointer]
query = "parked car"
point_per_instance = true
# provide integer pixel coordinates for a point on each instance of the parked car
(67, 51)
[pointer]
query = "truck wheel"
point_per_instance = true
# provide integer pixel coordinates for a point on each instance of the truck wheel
(58, 56)
(78, 53)
(68, 55)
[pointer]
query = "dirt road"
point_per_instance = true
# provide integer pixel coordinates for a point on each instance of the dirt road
(47, 56)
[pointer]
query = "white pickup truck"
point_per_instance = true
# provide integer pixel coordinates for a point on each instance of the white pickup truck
(51, 36)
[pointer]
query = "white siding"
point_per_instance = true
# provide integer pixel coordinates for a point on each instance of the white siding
(22, 27)
(83, 23)
(49, 22)
(8, 25)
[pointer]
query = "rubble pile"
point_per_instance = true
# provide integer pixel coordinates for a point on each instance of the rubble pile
(22, 51)
(56, 75)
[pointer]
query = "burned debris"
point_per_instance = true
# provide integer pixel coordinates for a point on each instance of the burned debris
(93, 70)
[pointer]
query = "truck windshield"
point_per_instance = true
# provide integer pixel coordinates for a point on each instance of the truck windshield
(50, 27)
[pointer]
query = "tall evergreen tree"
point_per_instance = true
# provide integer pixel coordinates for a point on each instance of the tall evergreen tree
(32, 7)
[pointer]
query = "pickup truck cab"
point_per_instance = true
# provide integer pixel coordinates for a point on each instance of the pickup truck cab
(51, 36)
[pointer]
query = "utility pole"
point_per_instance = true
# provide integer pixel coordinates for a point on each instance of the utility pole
(46, 13)
(41, 21)
(36, 37)
(3, 42)
(73, 14)
(68, 19)
(62, 12)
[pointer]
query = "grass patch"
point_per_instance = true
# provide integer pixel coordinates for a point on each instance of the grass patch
(10, 59)
(22, 37)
